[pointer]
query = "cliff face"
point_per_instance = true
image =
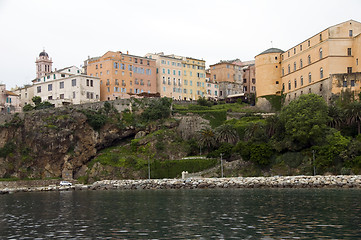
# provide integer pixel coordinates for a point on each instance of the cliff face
(52, 143)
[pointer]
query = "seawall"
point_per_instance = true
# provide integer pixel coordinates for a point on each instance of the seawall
(340, 181)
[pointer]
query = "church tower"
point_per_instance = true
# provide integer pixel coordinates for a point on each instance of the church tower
(43, 64)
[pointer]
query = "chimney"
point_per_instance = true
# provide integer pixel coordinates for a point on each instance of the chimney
(127, 52)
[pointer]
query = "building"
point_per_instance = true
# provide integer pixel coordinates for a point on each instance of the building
(212, 88)
(44, 64)
(181, 78)
(9, 101)
(230, 77)
(249, 77)
(169, 75)
(309, 66)
(122, 75)
(61, 87)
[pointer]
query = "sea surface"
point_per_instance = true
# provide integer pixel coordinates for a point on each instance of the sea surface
(183, 214)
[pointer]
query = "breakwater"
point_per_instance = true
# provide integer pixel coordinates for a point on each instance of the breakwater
(340, 181)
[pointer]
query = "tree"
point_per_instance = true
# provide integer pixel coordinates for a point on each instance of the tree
(353, 114)
(157, 109)
(206, 138)
(36, 100)
(305, 120)
(226, 133)
(336, 116)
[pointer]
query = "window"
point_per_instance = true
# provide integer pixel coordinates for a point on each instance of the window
(295, 83)
(288, 53)
(349, 52)
(214, 77)
(116, 82)
(320, 36)
(61, 85)
(62, 75)
(163, 80)
(309, 77)
(320, 53)
(321, 73)
(108, 72)
(148, 83)
(244, 80)
(283, 86)
(308, 43)
(289, 68)
(91, 83)
(294, 66)
(227, 74)
(352, 83)
(50, 97)
(289, 85)
(50, 87)
(101, 65)
(253, 80)
(357, 61)
(61, 96)
(300, 47)
(96, 66)
(309, 59)
(349, 69)
(283, 71)
(108, 82)
(344, 83)
(301, 80)
(87, 82)
(123, 83)
(350, 33)
(301, 63)
(73, 95)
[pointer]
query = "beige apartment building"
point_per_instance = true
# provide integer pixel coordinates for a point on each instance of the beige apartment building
(169, 75)
(310, 66)
(122, 75)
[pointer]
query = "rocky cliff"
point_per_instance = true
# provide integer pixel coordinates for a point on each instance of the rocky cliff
(53, 143)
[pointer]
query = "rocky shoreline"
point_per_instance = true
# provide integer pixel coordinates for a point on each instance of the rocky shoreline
(340, 181)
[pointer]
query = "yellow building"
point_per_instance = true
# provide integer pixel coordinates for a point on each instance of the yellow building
(194, 78)
(309, 66)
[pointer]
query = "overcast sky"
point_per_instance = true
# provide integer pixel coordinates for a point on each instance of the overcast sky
(72, 30)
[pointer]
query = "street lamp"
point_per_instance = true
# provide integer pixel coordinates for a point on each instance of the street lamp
(148, 168)
(221, 165)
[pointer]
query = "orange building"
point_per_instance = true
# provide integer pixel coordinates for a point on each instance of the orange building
(122, 75)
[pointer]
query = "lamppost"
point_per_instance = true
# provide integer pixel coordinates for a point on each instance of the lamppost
(313, 162)
(221, 165)
(148, 168)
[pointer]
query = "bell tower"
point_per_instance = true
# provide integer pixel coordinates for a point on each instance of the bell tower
(43, 64)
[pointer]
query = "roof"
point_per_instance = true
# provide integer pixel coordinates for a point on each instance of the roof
(10, 93)
(272, 50)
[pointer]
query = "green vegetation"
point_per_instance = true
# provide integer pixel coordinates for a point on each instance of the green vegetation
(174, 168)
(38, 104)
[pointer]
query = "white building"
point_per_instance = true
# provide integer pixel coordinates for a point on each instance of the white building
(61, 87)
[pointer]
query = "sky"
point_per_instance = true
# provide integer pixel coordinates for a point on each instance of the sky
(213, 30)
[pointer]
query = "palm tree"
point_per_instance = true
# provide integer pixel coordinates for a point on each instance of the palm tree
(206, 138)
(353, 114)
(336, 115)
(226, 133)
